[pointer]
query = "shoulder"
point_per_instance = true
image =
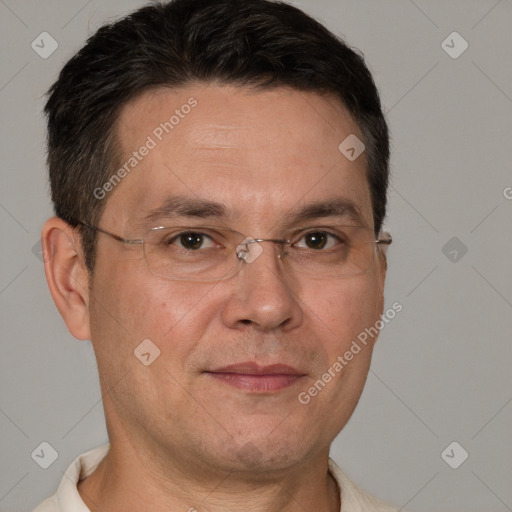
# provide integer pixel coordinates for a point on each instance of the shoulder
(67, 498)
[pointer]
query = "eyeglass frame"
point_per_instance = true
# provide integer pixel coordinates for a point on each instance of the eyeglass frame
(384, 242)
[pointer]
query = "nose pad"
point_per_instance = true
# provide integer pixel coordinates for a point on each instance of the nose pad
(249, 250)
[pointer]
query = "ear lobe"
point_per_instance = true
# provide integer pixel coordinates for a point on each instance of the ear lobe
(67, 275)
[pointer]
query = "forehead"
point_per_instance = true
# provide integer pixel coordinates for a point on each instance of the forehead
(259, 152)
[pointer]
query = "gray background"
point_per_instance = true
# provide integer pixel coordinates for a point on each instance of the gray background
(441, 367)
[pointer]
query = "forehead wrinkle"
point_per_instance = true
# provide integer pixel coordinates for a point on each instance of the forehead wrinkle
(212, 136)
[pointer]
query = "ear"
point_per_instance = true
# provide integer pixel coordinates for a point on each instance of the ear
(67, 275)
(381, 270)
(382, 266)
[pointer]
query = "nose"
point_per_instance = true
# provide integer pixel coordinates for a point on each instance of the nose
(262, 294)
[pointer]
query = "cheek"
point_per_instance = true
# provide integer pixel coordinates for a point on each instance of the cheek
(143, 301)
(134, 308)
(338, 312)
(136, 305)
(344, 308)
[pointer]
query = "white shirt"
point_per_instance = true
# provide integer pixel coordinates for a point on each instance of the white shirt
(67, 498)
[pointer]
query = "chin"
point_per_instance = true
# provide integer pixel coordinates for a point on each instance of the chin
(258, 452)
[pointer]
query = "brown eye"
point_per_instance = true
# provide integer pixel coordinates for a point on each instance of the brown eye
(191, 241)
(317, 240)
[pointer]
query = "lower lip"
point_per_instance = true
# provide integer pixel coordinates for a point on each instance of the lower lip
(257, 383)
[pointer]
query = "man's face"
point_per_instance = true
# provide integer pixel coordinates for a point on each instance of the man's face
(262, 155)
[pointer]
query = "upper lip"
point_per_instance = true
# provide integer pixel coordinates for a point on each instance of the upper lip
(252, 368)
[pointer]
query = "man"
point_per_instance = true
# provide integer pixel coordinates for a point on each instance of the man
(219, 172)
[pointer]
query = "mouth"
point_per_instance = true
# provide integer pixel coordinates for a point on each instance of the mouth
(250, 376)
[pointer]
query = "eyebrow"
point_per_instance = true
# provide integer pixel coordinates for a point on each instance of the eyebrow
(188, 207)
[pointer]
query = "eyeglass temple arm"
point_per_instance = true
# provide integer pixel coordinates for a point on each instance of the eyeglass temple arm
(136, 241)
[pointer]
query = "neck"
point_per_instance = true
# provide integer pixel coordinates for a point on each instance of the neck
(133, 480)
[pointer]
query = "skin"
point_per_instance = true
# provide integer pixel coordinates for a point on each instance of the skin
(181, 440)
